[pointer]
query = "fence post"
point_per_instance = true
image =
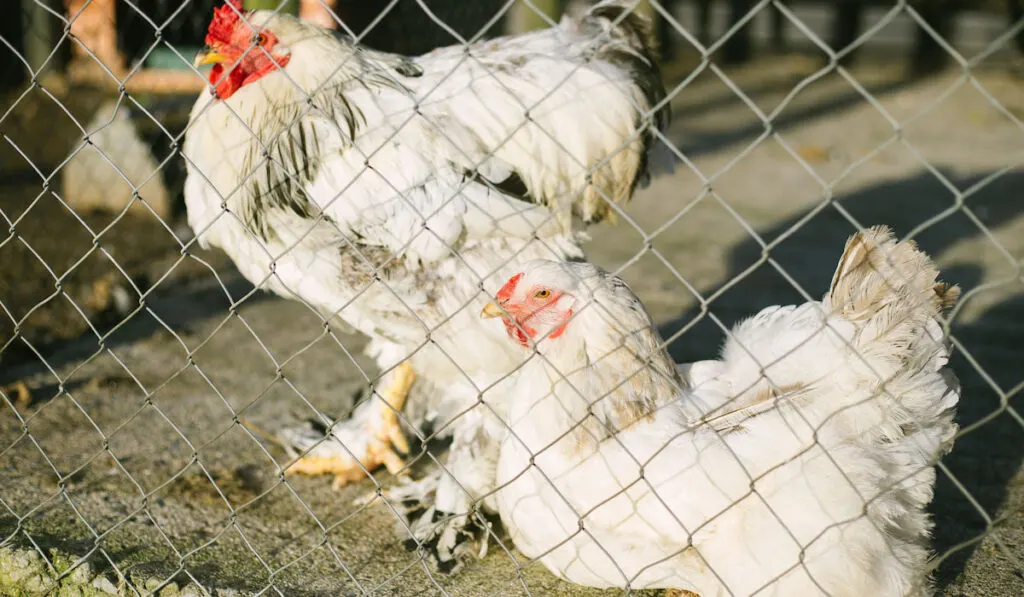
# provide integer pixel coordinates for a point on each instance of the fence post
(847, 20)
(929, 56)
(739, 47)
(95, 26)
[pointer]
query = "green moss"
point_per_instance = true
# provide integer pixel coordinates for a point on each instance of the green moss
(24, 573)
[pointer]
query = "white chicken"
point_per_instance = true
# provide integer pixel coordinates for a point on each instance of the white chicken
(798, 464)
(397, 194)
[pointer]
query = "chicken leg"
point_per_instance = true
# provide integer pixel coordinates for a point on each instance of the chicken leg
(372, 437)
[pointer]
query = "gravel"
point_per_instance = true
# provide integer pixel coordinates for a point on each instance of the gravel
(179, 496)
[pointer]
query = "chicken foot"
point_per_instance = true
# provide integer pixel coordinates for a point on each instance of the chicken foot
(446, 512)
(373, 437)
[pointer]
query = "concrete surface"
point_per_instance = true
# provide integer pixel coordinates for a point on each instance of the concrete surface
(130, 461)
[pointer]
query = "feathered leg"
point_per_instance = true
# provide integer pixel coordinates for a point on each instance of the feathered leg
(445, 510)
(370, 438)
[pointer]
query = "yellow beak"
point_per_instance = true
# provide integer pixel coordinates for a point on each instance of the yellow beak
(208, 56)
(491, 310)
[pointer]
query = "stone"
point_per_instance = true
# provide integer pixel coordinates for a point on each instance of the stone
(103, 585)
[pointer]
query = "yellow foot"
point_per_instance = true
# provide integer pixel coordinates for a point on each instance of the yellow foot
(390, 432)
(379, 439)
(344, 468)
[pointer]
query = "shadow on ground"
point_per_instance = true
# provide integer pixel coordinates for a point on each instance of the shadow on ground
(695, 143)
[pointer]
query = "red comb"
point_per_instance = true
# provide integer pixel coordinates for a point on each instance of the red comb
(506, 291)
(224, 19)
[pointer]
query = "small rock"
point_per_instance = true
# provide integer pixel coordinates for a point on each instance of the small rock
(18, 564)
(152, 584)
(90, 181)
(81, 574)
(37, 583)
(103, 584)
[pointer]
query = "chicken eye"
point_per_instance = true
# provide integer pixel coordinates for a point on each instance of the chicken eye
(543, 293)
(260, 39)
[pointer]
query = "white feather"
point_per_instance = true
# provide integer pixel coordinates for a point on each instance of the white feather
(799, 464)
(346, 180)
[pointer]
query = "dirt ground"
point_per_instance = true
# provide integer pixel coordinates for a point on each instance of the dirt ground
(128, 453)
(61, 267)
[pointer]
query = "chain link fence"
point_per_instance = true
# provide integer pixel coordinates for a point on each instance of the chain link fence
(157, 401)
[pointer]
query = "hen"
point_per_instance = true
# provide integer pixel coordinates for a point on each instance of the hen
(397, 194)
(800, 463)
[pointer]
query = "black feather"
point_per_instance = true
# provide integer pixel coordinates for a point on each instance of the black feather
(511, 186)
(408, 68)
(288, 157)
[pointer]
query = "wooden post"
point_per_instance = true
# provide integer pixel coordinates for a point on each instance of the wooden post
(847, 20)
(1016, 8)
(704, 9)
(95, 26)
(928, 55)
(319, 12)
(738, 48)
(12, 73)
(779, 23)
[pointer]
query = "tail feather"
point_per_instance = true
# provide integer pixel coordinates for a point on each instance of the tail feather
(877, 273)
(869, 368)
(891, 292)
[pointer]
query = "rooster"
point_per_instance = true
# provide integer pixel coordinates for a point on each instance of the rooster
(800, 463)
(397, 194)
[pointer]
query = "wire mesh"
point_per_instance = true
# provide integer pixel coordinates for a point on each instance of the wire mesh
(158, 399)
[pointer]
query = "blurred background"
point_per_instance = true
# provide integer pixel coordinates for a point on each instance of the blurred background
(795, 121)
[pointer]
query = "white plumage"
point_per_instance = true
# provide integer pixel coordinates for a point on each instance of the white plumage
(397, 194)
(800, 463)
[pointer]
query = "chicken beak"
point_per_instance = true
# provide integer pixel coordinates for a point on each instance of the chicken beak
(208, 56)
(491, 310)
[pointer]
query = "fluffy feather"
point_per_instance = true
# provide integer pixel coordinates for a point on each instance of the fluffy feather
(798, 464)
(398, 193)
